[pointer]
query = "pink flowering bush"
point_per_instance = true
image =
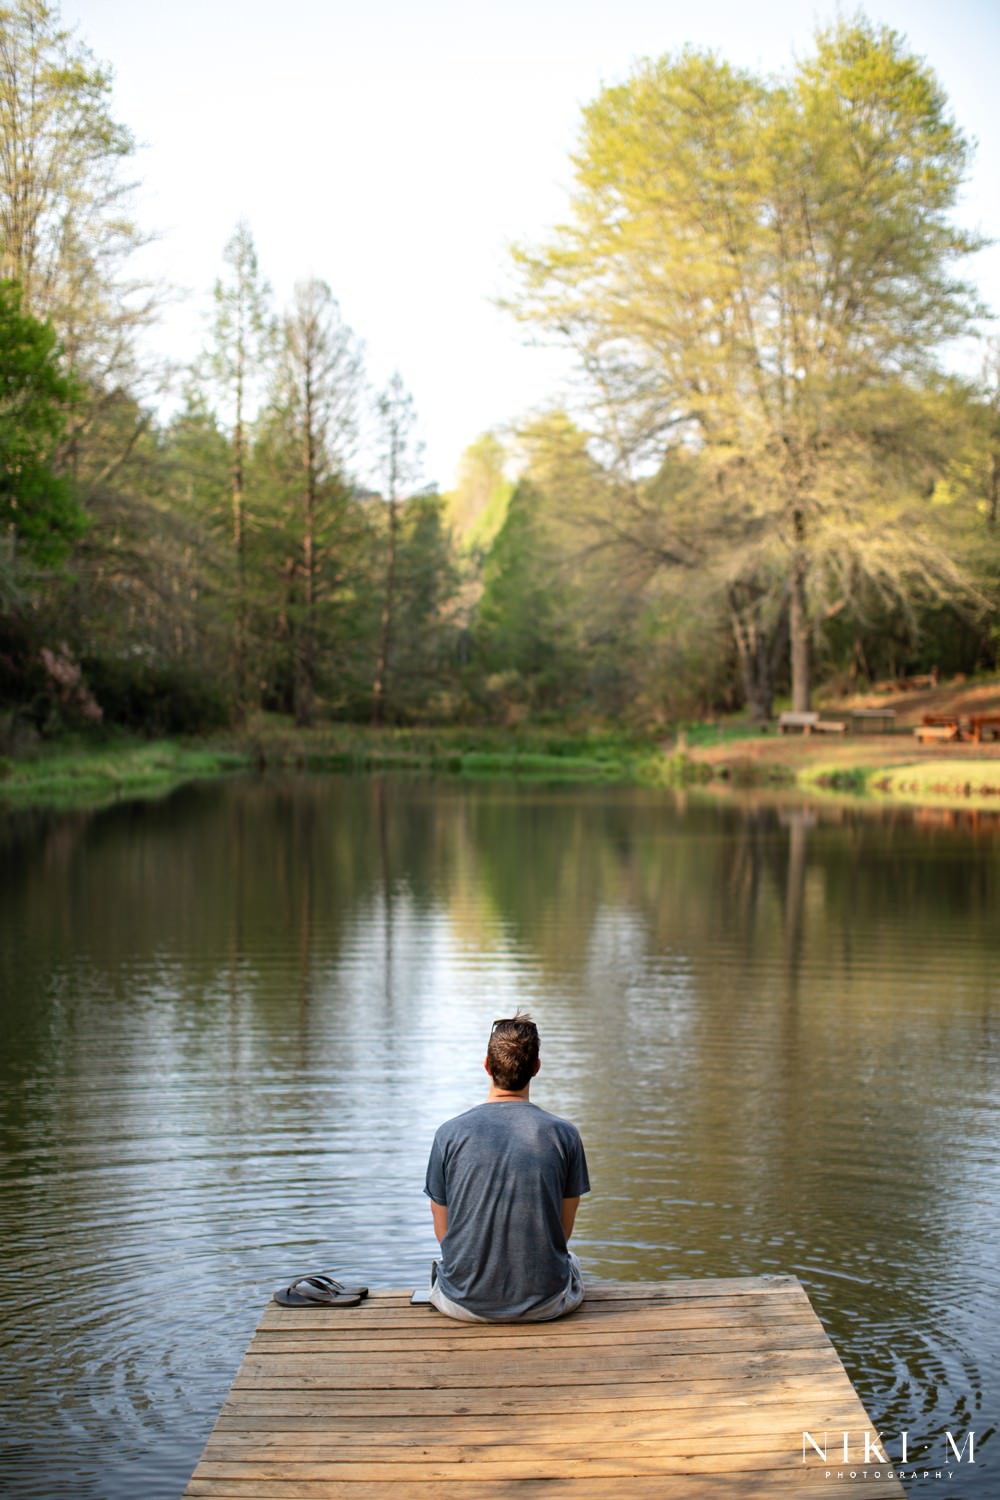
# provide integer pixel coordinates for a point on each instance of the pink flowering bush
(73, 696)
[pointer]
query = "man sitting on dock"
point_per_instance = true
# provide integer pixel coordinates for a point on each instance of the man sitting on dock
(505, 1181)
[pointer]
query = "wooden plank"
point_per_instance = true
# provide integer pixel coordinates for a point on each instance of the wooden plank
(558, 1464)
(527, 1374)
(689, 1312)
(578, 1336)
(603, 1431)
(684, 1342)
(678, 1487)
(599, 1293)
(394, 1320)
(307, 1431)
(609, 1448)
(427, 1404)
(392, 1323)
(680, 1389)
(619, 1291)
(298, 1372)
(600, 1296)
(568, 1345)
(610, 1318)
(580, 1325)
(641, 1337)
(391, 1318)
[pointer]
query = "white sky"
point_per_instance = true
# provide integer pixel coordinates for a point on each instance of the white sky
(396, 149)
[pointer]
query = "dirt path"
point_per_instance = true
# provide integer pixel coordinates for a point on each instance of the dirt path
(864, 750)
(805, 755)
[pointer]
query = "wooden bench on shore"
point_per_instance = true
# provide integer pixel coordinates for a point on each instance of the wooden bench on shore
(675, 1390)
(950, 727)
(943, 729)
(984, 726)
(809, 723)
(873, 720)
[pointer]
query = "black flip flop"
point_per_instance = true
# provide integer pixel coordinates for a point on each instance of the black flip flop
(324, 1277)
(319, 1291)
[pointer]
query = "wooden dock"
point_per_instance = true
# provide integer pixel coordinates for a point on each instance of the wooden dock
(680, 1390)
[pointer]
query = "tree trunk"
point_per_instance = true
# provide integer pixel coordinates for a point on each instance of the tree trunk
(240, 632)
(758, 651)
(859, 661)
(798, 622)
(379, 687)
(305, 657)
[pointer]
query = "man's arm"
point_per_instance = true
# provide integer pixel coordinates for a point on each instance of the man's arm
(569, 1208)
(440, 1212)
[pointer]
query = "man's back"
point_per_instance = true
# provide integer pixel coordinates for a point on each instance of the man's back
(503, 1170)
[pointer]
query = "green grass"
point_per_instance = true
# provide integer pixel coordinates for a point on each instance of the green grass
(83, 773)
(940, 782)
(93, 774)
(533, 753)
(87, 774)
(539, 765)
(837, 778)
(705, 736)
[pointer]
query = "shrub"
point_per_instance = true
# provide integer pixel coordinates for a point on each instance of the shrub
(157, 698)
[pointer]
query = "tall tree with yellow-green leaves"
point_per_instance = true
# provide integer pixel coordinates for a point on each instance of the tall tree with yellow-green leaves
(67, 235)
(243, 340)
(67, 231)
(399, 458)
(319, 389)
(761, 274)
(478, 504)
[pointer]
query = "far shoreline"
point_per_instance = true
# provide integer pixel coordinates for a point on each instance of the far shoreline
(864, 769)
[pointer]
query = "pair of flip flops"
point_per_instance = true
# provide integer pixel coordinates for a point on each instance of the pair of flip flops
(319, 1291)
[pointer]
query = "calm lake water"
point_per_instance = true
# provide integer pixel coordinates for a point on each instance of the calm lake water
(233, 1019)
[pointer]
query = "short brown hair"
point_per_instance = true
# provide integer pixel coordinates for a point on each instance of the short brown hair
(513, 1051)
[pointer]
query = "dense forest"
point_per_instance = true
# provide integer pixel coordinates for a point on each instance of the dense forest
(769, 477)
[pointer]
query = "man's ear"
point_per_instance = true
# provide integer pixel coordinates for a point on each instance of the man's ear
(538, 1064)
(486, 1065)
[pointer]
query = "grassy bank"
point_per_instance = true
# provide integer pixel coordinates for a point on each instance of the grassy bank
(90, 774)
(84, 774)
(942, 783)
(926, 782)
(890, 767)
(525, 753)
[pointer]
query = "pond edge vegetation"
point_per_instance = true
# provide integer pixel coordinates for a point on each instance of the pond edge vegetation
(92, 770)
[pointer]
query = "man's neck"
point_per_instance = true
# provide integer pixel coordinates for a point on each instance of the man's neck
(496, 1094)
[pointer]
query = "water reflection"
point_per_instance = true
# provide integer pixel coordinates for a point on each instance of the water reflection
(234, 1018)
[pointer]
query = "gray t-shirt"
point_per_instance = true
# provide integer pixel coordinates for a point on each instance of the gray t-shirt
(502, 1170)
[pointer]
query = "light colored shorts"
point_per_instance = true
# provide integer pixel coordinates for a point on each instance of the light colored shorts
(563, 1302)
